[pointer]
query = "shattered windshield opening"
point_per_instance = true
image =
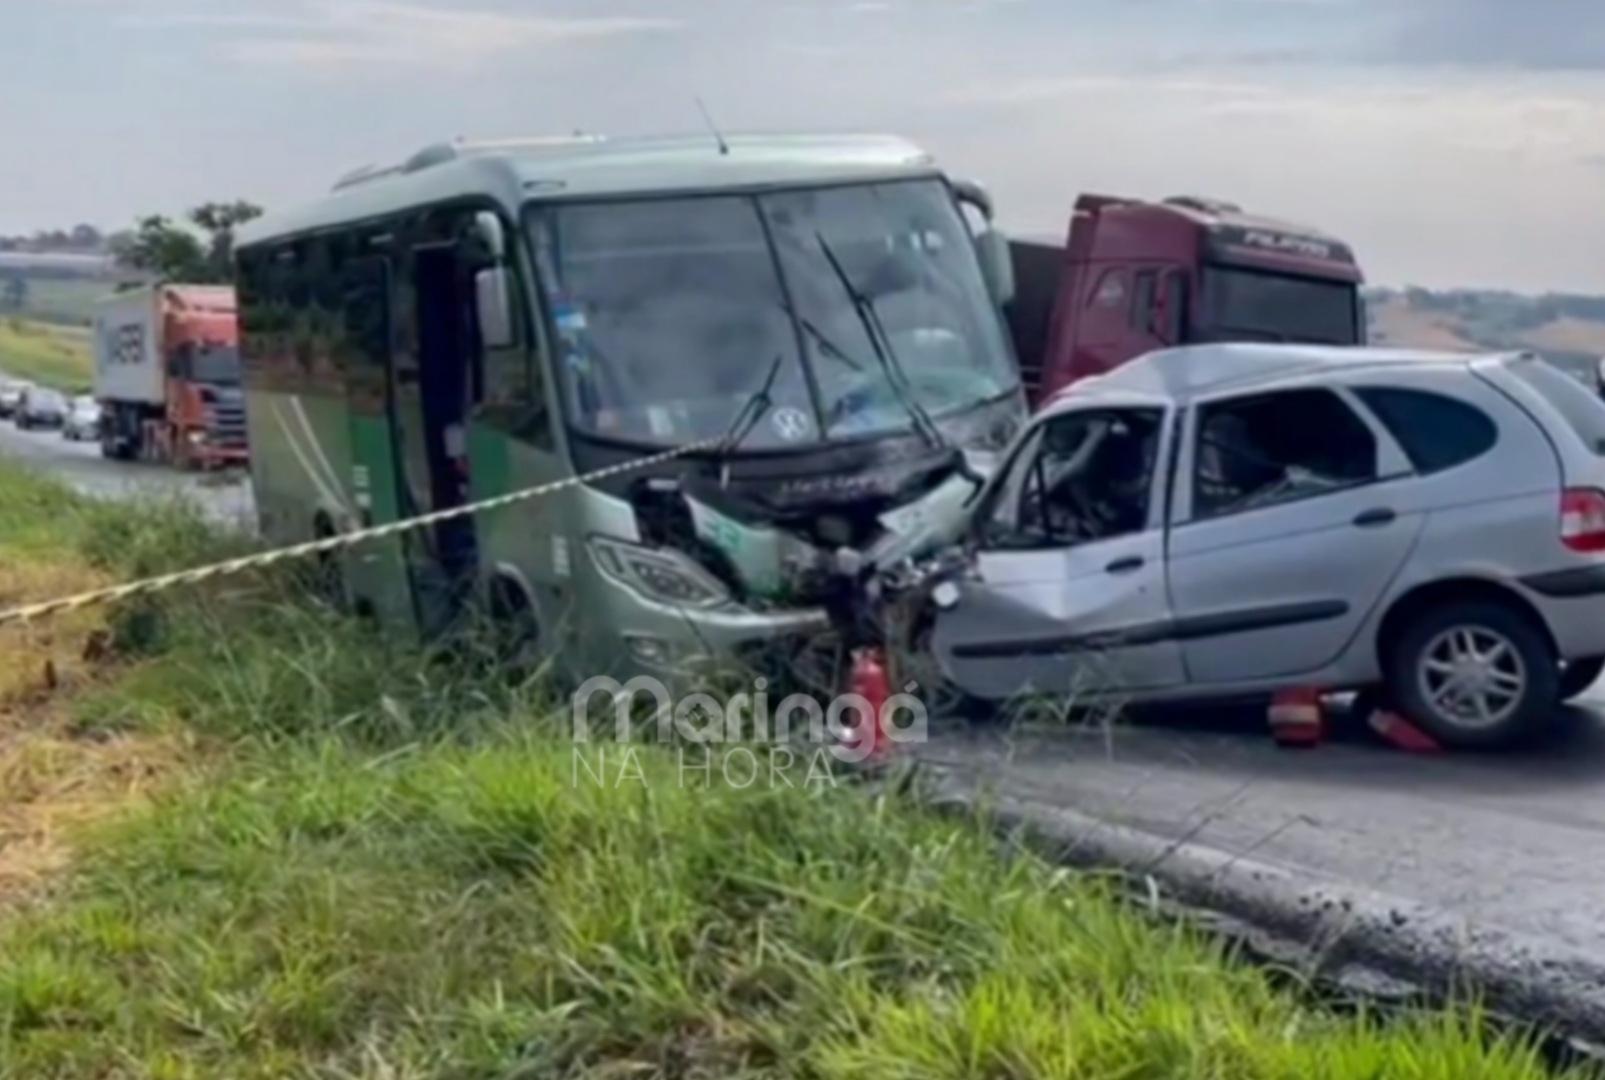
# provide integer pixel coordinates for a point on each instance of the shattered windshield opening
(669, 314)
(907, 252)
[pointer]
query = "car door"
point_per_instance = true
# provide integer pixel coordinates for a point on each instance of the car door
(1293, 512)
(1069, 592)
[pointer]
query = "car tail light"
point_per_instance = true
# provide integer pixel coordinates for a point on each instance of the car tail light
(1582, 519)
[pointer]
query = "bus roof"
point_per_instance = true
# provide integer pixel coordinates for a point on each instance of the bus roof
(515, 171)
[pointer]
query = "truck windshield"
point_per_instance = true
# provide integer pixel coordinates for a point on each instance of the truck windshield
(1261, 306)
(671, 313)
(215, 365)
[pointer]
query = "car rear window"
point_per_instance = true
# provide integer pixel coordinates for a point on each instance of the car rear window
(1583, 411)
(1436, 432)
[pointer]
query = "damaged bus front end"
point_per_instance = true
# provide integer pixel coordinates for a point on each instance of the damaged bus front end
(842, 348)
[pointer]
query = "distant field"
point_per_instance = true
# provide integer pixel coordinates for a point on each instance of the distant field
(64, 300)
(51, 355)
(1569, 331)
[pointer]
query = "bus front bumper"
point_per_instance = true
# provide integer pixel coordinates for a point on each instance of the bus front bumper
(633, 635)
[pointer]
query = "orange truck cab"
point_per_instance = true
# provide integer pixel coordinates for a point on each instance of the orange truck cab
(1136, 276)
(167, 376)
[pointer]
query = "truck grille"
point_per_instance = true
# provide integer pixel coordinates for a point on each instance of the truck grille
(227, 425)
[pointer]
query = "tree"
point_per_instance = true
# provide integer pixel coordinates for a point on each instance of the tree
(164, 249)
(220, 220)
(86, 238)
(172, 251)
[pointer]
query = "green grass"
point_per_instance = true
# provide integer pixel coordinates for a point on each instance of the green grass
(394, 868)
(49, 355)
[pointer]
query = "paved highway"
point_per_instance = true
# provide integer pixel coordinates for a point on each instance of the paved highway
(225, 497)
(1510, 843)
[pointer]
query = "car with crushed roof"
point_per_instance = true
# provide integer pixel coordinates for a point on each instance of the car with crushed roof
(1228, 521)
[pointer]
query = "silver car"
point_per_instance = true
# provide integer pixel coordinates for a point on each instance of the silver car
(1226, 521)
(39, 407)
(83, 420)
(11, 392)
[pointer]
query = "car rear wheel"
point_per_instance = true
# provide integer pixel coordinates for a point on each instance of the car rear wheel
(1475, 675)
(1578, 675)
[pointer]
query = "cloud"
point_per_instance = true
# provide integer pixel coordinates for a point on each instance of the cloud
(341, 33)
(1551, 35)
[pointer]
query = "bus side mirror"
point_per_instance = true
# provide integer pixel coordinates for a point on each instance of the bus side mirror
(494, 301)
(997, 265)
(493, 286)
(488, 231)
(991, 246)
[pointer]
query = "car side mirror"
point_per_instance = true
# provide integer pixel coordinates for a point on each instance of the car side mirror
(494, 301)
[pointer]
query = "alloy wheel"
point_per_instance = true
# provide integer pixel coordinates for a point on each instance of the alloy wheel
(1472, 676)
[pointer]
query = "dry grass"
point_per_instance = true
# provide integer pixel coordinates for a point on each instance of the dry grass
(1396, 323)
(54, 781)
(1570, 335)
(39, 658)
(55, 776)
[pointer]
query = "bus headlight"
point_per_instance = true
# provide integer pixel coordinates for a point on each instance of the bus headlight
(657, 574)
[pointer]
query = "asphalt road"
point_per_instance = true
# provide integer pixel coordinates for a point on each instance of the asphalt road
(1510, 842)
(224, 497)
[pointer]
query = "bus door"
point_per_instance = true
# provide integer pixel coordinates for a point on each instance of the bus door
(376, 576)
(432, 393)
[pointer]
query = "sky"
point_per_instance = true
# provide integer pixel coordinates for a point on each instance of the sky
(1452, 142)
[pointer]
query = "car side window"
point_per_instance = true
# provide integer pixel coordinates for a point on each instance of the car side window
(1089, 478)
(1275, 448)
(1436, 432)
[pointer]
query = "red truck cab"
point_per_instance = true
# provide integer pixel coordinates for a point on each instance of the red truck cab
(205, 406)
(1136, 276)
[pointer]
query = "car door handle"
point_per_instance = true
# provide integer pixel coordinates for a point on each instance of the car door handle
(1126, 566)
(1376, 519)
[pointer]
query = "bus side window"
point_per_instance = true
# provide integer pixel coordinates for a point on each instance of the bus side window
(365, 313)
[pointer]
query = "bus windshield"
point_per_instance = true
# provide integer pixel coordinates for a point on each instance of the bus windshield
(1254, 305)
(672, 313)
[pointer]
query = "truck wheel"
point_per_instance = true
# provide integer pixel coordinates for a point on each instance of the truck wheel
(1475, 675)
(1578, 675)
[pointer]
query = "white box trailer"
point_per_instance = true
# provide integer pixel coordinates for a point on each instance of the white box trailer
(128, 353)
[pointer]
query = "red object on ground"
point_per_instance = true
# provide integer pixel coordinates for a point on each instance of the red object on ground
(1401, 734)
(1297, 721)
(871, 682)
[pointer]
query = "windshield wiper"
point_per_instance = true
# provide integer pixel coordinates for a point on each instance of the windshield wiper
(752, 411)
(884, 353)
(824, 341)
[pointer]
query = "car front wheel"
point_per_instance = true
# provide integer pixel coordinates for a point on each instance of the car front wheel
(1475, 675)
